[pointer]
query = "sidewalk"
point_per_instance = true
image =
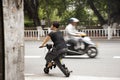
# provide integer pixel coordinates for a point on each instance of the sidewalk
(72, 77)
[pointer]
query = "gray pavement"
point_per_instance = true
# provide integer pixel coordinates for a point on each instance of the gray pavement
(104, 67)
(73, 77)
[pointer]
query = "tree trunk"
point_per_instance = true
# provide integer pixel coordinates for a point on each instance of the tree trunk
(1, 43)
(14, 39)
(100, 18)
(31, 8)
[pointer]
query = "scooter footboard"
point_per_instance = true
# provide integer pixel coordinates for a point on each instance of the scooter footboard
(71, 52)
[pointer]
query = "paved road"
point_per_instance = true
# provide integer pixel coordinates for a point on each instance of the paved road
(104, 67)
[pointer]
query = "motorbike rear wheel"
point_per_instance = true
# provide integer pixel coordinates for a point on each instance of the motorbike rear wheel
(92, 52)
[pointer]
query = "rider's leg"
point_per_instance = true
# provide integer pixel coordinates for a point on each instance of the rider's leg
(61, 55)
(62, 68)
(49, 57)
(78, 42)
(73, 43)
(61, 61)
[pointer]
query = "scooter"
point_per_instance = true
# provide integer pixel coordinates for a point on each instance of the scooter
(86, 47)
(56, 62)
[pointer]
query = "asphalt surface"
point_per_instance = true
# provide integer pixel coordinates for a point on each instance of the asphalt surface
(104, 67)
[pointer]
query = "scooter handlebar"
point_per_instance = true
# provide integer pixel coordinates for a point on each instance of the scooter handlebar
(41, 46)
(49, 46)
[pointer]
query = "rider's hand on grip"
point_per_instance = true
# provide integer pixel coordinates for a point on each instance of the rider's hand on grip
(83, 35)
(41, 46)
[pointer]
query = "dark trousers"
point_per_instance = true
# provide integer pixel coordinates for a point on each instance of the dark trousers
(72, 42)
(51, 55)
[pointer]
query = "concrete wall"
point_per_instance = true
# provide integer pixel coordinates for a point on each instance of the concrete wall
(14, 39)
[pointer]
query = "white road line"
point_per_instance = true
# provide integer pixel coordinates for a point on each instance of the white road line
(77, 56)
(28, 74)
(72, 77)
(32, 57)
(118, 57)
(65, 56)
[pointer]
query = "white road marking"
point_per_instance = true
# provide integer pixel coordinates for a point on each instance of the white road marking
(77, 56)
(28, 74)
(115, 57)
(32, 57)
(118, 57)
(72, 77)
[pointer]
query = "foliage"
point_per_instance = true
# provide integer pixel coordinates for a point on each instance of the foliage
(87, 11)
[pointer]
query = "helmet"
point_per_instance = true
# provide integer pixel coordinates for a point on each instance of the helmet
(73, 20)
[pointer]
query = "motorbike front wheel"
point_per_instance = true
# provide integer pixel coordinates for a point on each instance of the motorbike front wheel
(92, 52)
(46, 70)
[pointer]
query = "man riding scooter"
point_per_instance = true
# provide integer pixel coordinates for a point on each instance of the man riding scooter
(78, 43)
(72, 35)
